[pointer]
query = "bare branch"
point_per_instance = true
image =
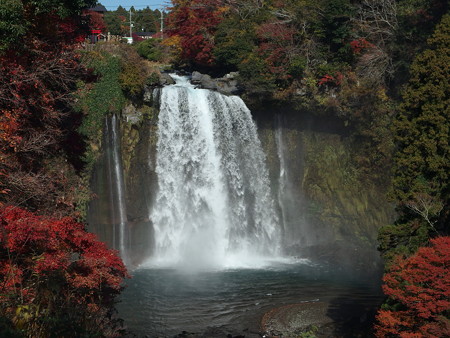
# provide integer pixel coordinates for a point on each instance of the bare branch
(426, 206)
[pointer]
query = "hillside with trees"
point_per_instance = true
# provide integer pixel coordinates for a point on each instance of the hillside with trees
(379, 67)
(56, 279)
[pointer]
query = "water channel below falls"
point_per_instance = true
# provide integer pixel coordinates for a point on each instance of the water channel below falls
(166, 302)
(212, 260)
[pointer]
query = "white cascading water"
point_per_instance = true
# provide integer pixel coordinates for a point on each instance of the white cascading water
(282, 180)
(118, 185)
(214, 207)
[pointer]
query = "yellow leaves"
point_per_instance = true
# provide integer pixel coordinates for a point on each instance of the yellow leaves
(381, 94)
(223, 9)
(174, 45)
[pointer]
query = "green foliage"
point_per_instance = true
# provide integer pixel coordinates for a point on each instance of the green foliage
(62, 8)
(235, 39)
(146, 20)
(12, 23)
(311, 332)
(254, 72)
(150, 49)
(152, 80)
(114, 24)
(103, 97)
(95, 101)
(337, 27)
(133, 73)
(422, 125)
(421, 169)
(297, 66)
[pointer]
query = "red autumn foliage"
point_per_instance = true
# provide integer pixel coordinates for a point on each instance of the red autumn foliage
(95, 20)
(277, 46)
(359, 45)
(55, 266)
(195, 22)
(421, 286)
(37, 122)
(331, 80)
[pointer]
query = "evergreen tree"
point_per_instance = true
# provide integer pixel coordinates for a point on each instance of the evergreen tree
(421, 130)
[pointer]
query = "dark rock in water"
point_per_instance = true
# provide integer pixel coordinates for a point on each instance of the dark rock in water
(293, 319)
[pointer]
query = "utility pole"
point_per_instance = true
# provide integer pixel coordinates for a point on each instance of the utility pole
(162, 24)
(131, 26)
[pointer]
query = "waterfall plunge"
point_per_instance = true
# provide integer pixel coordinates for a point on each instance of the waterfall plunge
(214, 207)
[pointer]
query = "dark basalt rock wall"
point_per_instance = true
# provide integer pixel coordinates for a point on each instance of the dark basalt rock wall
(329, 211)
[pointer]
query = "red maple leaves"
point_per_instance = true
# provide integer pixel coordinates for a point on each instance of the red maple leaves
(195, 23)
(421, 286)
(40, 254)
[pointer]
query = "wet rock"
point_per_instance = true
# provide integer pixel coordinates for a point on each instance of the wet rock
(148, 95)
(131, 114)
(204, 81)
(295, 318)
(226, 85)
(165, 79)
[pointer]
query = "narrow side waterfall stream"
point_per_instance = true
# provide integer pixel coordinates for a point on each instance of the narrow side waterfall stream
(119, 186)
(217, 265)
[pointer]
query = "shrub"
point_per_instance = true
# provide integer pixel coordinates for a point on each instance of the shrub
(419, 286)
(150, 49)
(56, 279)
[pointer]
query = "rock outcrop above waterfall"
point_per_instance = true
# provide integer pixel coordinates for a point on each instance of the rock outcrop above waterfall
(226, 85)
(166, 79)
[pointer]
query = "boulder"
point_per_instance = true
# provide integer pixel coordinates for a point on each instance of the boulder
(165, 79)
(227, 84)
(203, 81)
(148, 95)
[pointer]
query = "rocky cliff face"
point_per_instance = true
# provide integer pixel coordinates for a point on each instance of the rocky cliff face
(329, 212)
(137, 133)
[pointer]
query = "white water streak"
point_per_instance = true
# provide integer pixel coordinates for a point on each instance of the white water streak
(214, 206)
(119, 188)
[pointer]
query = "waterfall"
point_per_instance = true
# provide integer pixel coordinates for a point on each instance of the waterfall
(117, 187)
(214, 206)
(282, 179)
(292, 208)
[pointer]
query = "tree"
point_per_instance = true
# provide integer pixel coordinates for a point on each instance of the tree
(121, 11)
(234, 40)
(96, 20)
(55, 21)
(55, 278)
(115, 23)
(145, 20)
(195, 22)
(420, 286)
(378, 24)
(40, 150)
(421, 169)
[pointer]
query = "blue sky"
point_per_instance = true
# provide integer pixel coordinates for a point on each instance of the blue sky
(111, 5)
